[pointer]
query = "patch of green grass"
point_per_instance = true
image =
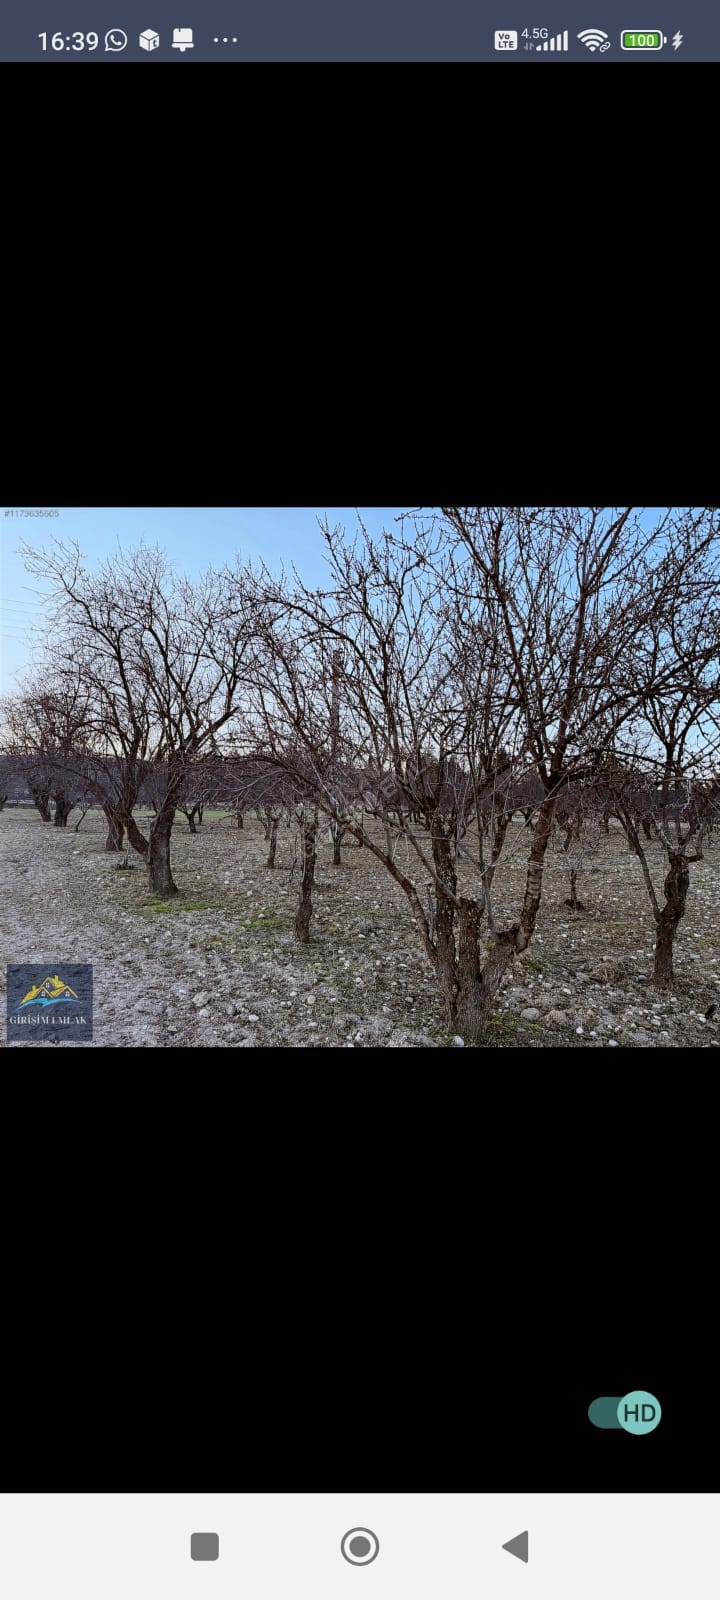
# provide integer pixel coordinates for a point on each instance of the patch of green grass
(262, 919)
(500, 1027)
(532, 963)
(503, 1029)
(152, 908)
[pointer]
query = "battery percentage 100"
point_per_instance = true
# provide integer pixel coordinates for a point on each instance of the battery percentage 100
(648, 39)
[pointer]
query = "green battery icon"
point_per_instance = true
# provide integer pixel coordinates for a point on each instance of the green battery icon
(645, 39)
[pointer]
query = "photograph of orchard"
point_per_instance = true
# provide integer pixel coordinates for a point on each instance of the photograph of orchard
(455, 785)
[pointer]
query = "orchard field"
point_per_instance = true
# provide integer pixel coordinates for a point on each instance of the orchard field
(477, 754)
(218, 964)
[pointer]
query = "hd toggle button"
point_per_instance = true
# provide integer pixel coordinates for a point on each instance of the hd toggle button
(637, 1412)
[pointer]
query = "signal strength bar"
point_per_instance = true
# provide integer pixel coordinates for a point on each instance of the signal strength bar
(559, 42)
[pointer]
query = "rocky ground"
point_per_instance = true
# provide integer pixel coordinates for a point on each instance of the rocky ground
(219, 964)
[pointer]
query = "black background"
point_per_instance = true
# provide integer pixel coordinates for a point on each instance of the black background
(219, 1303)
(336, 1413)
(315, 1274)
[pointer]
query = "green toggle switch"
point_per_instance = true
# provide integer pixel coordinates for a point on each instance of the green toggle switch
(603, 1413)
(637, 1412)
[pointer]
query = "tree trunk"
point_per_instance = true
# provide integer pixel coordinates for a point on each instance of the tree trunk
(158, 853)
(304, 911)
(191, 821)
(41, 800)
(115, 829)
(390, 842)
(477, 984)
(470, 1010)
(274, 825)
(137, 839)
(676, 887)
(338, 835)
(534, 875)
(62, 808)
(240, 819)
(446, 970)
(573, 902)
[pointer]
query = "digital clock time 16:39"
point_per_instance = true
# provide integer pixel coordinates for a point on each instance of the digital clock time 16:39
(70, 41)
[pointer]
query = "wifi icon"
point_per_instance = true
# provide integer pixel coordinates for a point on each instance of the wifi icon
(594, 39)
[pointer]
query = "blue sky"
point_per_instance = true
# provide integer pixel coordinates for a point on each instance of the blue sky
(193, 537)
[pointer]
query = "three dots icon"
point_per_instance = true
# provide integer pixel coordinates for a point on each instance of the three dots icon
(226, 40)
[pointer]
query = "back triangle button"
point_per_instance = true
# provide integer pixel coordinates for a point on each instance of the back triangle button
(518, 1546)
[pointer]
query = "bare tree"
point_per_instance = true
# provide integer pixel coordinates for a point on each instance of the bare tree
(91, 625)
(477, 651)
(662, 788)
(194, 814)
(576, 590)
(47, 732)
(363, 695)
(162, 656)
(20, 748)
(83, 808)
(336, 831)
(308, 818)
